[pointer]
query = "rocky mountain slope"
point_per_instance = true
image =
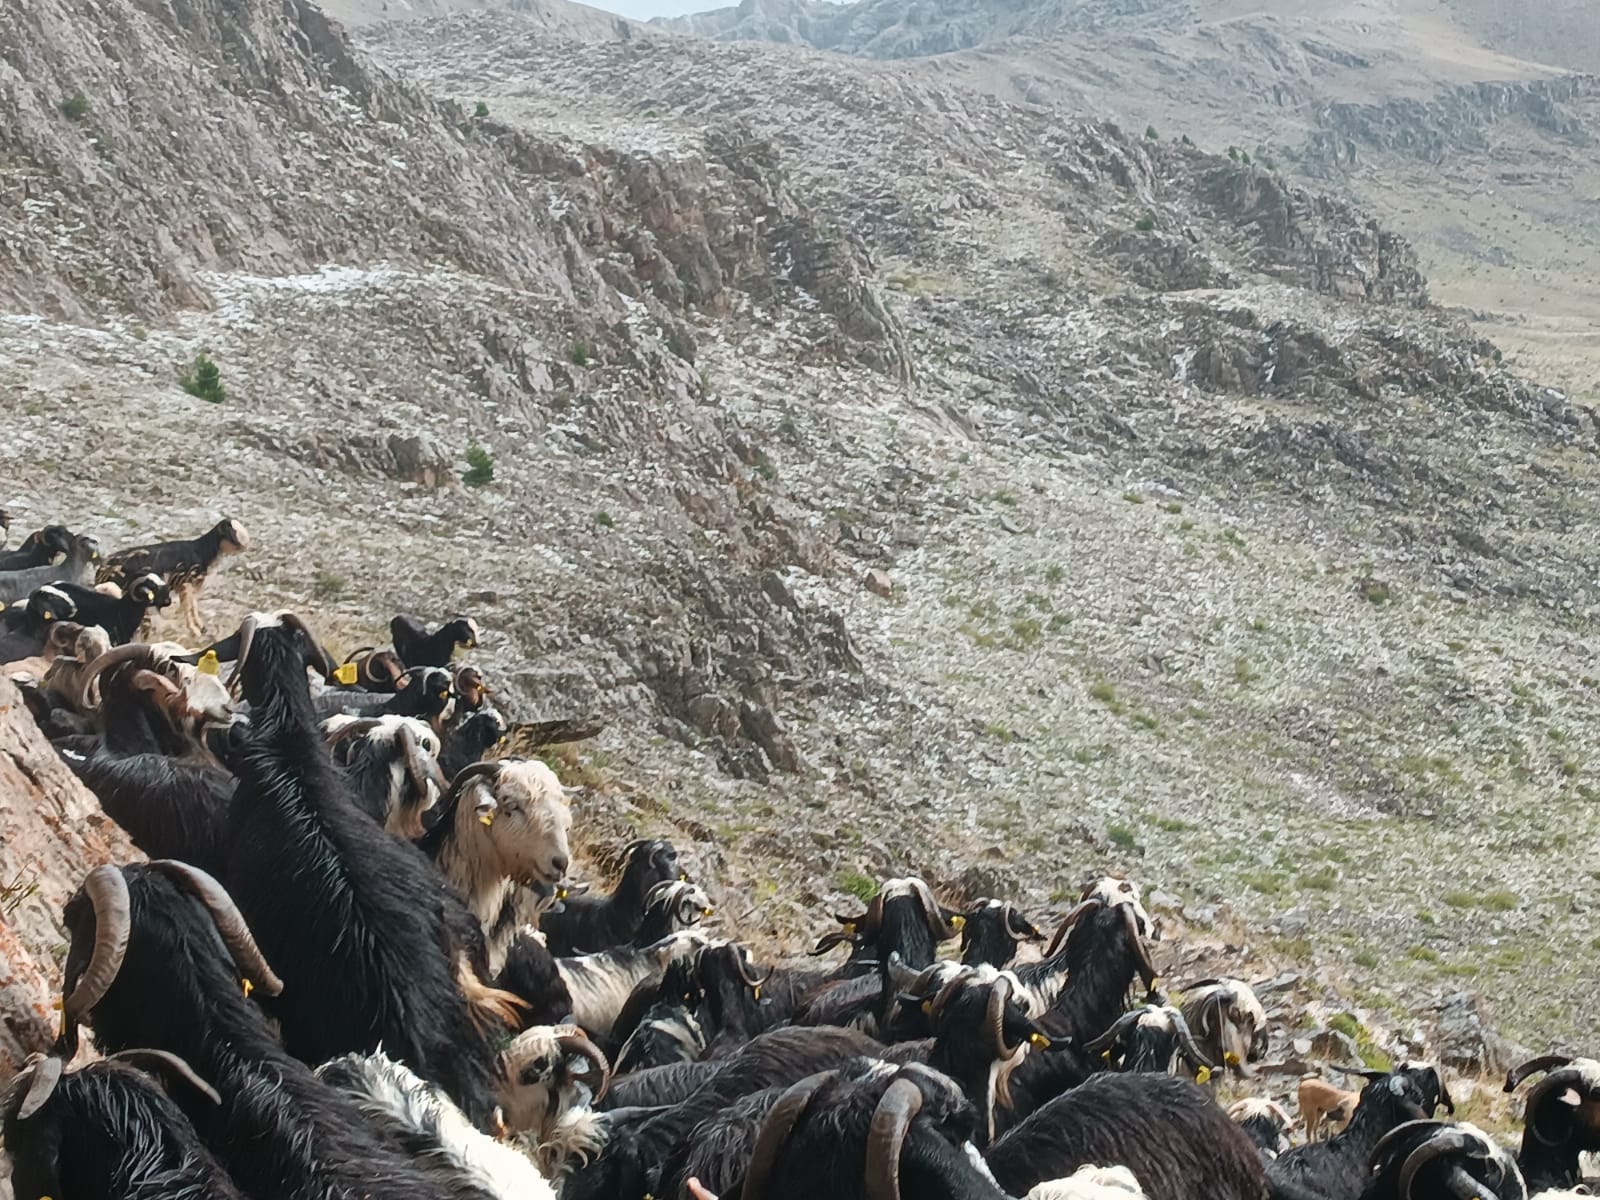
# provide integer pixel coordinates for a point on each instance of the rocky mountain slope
(914, 478)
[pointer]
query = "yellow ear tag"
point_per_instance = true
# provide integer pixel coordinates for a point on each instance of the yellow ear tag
(1203, 1075)
(1039, 1040)
(1231, 1059)
(1106, 1055)
(347, 674)
(958, 923)
(706, 912)
(849, 929)
(927, 1008)
(756, 991)
(561, 893)
(208, 663)
(248, 987)
(487, 819)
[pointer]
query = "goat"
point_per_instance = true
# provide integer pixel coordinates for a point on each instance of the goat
(638, 1143)
(552, 1076)
(332, 897)
(1153, 1038)
(1336, 1169)
(419, 648)
(47, 547)
(590, 924)
(1265, 1122)
(77, 568)
(59, 639)
(670, 908)
(502, 825)
(391, 766)
(1091, 1183)
(107, 1132)
(992, 931)
(373, 670)
(903, 919)
(1228, 1021)
(470, 740)
(1322, 1105)
(156, 957)
(667, 1031)
(419, 1121)
(1561, 1119)
(120, 616)
(1165, 1129)
(1423, 1159)
(600, 984)
(531, 973)
(185, 564)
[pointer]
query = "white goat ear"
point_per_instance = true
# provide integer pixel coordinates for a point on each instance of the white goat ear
(1397, 1085)
(487, 806)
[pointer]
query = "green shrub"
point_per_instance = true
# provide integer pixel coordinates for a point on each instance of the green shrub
(481, 111)
(578, 352)
(1145, 223)
(75, 107)
(203, 380)
(1150, 132)
(1121, 837)
(480, 467)
(605, 519)
(862, 887)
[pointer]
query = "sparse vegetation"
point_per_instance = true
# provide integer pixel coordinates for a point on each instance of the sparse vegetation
(1150, 132)
(854, 883)
(1121, 837)
(203, 380)
(604, 520)
(75, 107)
(1146, 223)
(578, 354)
(481, 111)
(480, 467)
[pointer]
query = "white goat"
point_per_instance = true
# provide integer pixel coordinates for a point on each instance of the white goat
(601, 983)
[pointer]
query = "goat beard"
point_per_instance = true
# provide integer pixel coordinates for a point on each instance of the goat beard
(492, 1009)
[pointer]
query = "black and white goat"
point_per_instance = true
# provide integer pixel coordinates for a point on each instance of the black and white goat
(1337, 1168)
(1155, 1037)
(1561, 1118)
(108, 1132)
(417, 647)
(156, 959)
(552, 1078)
(121, 616)
(392, 767)
(186, 565)
(1228, 1021)
(469, 740)
(1265, 1122)
(1422, 1160)
(600, 984)
(332, 897)
(670, 908)
(592, 923)
(992, 932)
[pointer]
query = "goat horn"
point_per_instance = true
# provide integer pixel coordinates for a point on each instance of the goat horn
(228, 919)
(745, 971)
(886, 1137)
(775, 1130)
(1069, 921)
(575, 1041)
(1147, 970)
(942, 997)
(42, 1078)
(1444, 1141)
(1019, 925)
(163, 1060)
(113, 925)
(247, 637)
(995, 1017)
(938, 928)
(1186, 1040)
(323, 661)
(1536, 1110)
(350, 729)
(422, 769)
(146, 680)
(1109, 1037)
(458, 786)
(1545, 1062)
(116, 655)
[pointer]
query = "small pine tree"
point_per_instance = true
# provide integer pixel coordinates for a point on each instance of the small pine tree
(481, 111)
(1150, 132)
(1186, 141)
(203, 380)
(1145, 223)
(480, 467)
(1233, 153)
(75, 107)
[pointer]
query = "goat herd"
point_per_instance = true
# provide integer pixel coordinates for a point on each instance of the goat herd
(355, 966)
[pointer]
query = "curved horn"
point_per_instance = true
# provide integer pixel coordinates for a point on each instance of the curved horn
(228, 919)
(422, 769)
(744, 969)
(1147, 970)
(573, 1040)
(1545, 1062)
(1069, 921)
(1110, 1036)
(111, 658)
(1445, 1141)
(113, 925)
(1534, 1112)
(1020, 927)
(994, 1023)
(458, 786)
(352, 729)
(938, 928)
(42, 1078)
(775, 1130)
(946, 991)
(247, 637)
(886, 1137)
(1187, 1042)
(164, 1061)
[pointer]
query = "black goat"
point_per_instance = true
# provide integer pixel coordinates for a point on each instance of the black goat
(1337, 1169)
(531, 974)
(391, 768)
(658, 1025)
(419, 648)
(1560, 1120)
(425, 693)
(469, 740)
(41, 548)
(591, 924)
(903, 919)
(186, 564)
(1422, 1160)
(670, 908)
(156, 958)
(1153, 1038)
(107, 1132)
(120, 616)
(334, 898)
(1166, 1130)
(992, 932)
(25, 628)
(77, 568)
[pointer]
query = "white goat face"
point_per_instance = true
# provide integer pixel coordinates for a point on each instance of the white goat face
(529, 821)
(1113, 892)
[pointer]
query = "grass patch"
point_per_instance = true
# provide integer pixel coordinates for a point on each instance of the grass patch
(1324, 880)
(480, 467)
(578, 353)
(203, 380)
(1121, 837)
(75, 107)
(854, 883)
